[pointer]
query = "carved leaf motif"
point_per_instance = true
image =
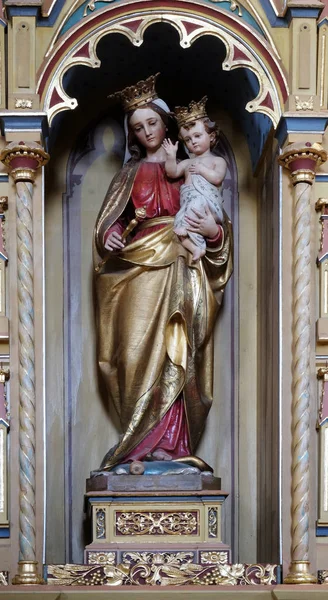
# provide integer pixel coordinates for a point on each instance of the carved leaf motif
(265, 574)
(233, 6)
(91, 6)
(116, 575)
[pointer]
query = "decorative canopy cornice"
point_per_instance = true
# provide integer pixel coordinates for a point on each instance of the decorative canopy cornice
(245, 48)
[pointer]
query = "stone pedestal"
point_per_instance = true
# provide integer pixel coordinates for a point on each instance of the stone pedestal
(158, 538)
(156, 523)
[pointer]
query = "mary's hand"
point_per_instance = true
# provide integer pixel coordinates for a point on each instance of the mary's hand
(114, 241)
(204, 224)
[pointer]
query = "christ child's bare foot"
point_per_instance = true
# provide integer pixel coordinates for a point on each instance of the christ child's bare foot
(160, 454)
(181, 231)
(198, 253)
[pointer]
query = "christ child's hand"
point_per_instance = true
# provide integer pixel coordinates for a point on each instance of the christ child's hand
(170, 149)
(195, 168)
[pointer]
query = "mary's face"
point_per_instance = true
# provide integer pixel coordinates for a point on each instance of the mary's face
(148, 128)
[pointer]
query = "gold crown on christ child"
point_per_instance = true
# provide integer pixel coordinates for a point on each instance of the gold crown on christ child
(193, 112)
(137, 95)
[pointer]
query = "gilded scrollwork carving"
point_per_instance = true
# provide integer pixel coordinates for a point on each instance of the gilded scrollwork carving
(239, 574)
(71, 575)
(161, 568)
(213, 522)
(100, 523)
(164, 568)
(154, 523)
(323, 577)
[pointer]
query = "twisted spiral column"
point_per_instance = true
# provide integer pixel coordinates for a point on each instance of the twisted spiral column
(24, 161)
(302, 161)
(24, 199)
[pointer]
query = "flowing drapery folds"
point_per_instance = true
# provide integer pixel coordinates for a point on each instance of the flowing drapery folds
(156, 313)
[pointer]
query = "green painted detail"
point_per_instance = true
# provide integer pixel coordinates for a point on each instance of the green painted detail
(90, 6)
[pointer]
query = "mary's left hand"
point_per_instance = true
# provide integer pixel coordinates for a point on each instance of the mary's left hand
(204, 224)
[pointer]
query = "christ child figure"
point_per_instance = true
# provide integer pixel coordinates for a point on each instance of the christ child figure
(200, 195)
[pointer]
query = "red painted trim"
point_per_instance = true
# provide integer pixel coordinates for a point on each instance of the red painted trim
(302, 163)
(55, 98)
(239, 54)
(133, 25)
(190, 27)
(83, 52)
(24, 162)
(267, 102)
(195, 10)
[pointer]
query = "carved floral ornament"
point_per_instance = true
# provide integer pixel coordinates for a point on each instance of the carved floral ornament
(244, 48)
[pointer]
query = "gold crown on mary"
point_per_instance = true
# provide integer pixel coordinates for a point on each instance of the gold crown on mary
(193, 112)
(138, 95)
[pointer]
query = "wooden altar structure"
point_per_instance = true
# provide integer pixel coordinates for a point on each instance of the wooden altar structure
(263, 66)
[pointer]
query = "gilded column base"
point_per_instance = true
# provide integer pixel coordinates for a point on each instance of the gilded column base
(28, 573)
(299, 572)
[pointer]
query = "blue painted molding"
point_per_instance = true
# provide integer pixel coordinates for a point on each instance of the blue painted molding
(273, 19)
(300, 125)
(323, 22)
(322, 531)
(321, 178)
(4, 178)
(5, 532)
(22, 11)
(35, 11)
(303, 13)
(291, 13)
(50, 21)
(16, 121)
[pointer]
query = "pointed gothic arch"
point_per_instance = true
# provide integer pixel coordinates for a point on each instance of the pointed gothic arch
(245, 47)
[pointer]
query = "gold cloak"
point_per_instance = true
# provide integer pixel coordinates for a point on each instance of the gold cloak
(155, 317)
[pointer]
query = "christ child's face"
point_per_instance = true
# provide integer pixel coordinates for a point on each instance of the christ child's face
(148, 128)
(196, 138)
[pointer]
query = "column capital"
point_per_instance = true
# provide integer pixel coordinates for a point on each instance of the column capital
(23, 160)
(321, 205)
(302, 160)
